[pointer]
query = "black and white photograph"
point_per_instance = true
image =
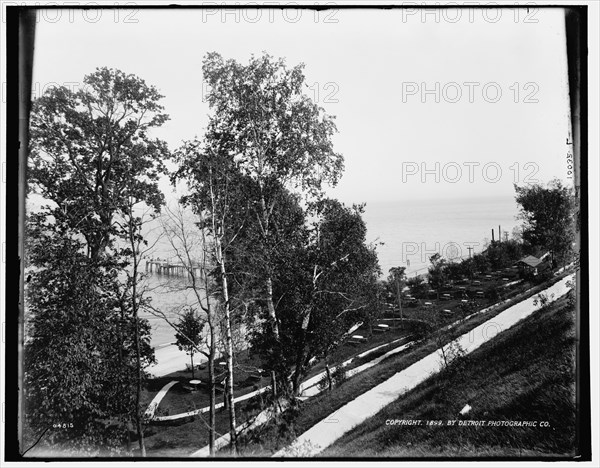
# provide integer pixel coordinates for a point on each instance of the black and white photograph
(316, 232)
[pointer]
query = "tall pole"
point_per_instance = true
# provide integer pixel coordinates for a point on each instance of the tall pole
(470, 249)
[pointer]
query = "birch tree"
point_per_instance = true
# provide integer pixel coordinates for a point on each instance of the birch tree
(278, 136)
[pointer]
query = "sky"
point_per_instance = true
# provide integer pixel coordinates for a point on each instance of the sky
(428, 104)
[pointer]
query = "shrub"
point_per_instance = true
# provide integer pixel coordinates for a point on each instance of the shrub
(492, 294)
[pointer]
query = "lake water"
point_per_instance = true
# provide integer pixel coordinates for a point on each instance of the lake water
(411, 232)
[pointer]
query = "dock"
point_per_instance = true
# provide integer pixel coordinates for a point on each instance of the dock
(165, 267)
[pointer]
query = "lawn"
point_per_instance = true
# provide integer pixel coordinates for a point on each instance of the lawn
(525, 374)
(274, 436)
(191, 436)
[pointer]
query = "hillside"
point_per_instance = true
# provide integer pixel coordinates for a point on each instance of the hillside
(525, 374)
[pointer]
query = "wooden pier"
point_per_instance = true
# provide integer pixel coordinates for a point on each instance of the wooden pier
(165, 267)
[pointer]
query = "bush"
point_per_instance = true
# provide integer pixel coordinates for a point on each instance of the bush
(492, 294)
(543, 276)
(338, 377)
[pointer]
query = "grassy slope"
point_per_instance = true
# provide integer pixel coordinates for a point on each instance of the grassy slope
(277, 434)
(526, 373)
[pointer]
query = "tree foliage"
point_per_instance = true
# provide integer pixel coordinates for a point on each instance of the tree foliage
(93, 162)
(277, 136)
(80, 356)
(91, 151)
(549, 217)
(189, 334)
(437, 276)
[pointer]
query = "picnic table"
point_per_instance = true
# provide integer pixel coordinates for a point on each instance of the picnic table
(356, 339)
(195, 383)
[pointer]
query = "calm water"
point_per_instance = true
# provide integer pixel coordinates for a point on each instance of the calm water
(413, 231)
(410, 231)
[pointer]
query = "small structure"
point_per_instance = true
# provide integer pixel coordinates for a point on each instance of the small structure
(531, 264)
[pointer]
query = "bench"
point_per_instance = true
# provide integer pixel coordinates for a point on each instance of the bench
(355, 340)
(381, 328)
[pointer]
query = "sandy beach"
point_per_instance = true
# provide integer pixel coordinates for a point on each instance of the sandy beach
(170, 359)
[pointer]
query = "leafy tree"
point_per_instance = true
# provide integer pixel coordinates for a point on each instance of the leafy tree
(418, 287)
(548, 214)
(455, 271)
(481, 264)
(93, 158)
(503, 254)
(342, 270)
(437, 273)
(216, 198)
(189, 334)
(468, 268)
(278, 136)
(80, 357)
(90, 152)
(396, 279)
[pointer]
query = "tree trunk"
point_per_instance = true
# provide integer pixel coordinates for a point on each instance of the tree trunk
(134, 307)
(192, 364)
(399, 297)
(298, 371)
(211, 383)
(274, 385)
(329, 381)
(271, 308)
(138, 416)
(228, 346)
(269, 280)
